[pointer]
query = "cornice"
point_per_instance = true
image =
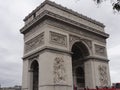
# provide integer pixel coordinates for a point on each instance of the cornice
(46, 48)
(96, 59)
(47, 14)
(66, 10)
(34, 21)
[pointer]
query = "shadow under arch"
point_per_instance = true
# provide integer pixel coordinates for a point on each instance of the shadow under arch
(79, 52)
(35, 74)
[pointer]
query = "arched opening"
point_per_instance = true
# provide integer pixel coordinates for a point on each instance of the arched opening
(35, 76)
(80, 79)
(80, 51)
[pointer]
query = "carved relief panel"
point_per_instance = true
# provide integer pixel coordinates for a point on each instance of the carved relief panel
(34, 42)
(103, 75)
(100, 50)
(59, 39)
(59, 71)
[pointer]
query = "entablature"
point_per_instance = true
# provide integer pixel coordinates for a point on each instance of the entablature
(47, 15)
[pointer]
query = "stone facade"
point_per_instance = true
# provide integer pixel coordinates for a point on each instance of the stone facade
(53, 35)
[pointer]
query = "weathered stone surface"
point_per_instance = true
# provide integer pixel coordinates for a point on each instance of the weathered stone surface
(34, 42)
(59, 71)
(100, 50)
(57, 41)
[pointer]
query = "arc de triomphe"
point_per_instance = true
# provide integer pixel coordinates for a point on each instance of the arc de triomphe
(63, 49)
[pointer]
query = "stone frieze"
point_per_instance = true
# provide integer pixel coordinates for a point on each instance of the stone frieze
(34, 42)
(59, 39)
(100, 50)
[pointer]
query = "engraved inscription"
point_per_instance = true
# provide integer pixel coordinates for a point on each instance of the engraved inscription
(100, 50)
(103, 75)
(59, 39)
(34, 42)
(59, 71)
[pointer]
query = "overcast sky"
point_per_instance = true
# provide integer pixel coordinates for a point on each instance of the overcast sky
(12, 12)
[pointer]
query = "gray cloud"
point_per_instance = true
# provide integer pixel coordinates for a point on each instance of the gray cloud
(11, 41)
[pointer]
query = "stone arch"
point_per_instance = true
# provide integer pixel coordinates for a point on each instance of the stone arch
(34, 67)
(81, 46)
(80, 52)
(74, 39)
